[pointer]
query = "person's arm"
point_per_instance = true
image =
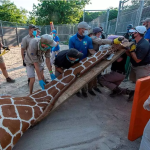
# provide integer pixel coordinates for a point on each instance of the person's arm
(92, 51)
(147, 35)
(37, 69)
(100, 41)
(133, 55)
(22, 53)
(48, 64)
(59, 69)
(90, 47)
(23, 47)
(128, 53)
(57, 43)
(119, 59)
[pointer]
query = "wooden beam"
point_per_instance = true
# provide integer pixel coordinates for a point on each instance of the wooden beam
(87, 77)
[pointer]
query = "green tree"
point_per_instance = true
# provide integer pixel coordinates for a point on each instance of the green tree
(10, 12)
(89, 16)
(113, 13)
(60, 12)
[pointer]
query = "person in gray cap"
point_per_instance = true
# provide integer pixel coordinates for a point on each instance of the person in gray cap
(33, 59)
(83, 43)
(25, 42)
(66, 59)
(146, 23)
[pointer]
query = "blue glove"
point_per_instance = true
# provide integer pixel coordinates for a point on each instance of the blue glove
(52, 76)
(42, 84)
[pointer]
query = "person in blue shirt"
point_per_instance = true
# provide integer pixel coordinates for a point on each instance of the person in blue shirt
(56, 49)
(83, 43)
(146, 23)
(38, 33)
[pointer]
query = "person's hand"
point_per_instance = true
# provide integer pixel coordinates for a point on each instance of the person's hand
(132, 48)
(42, 84)
(5, 47)
(52, 76)
(147, 104)
(118, 40)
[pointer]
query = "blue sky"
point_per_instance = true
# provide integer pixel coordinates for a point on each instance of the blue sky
(96, 4)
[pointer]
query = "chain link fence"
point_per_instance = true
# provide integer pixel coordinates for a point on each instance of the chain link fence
(11, 34)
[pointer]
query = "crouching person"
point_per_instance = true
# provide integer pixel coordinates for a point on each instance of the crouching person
(113, 79)
(33, 59)
(66, 59)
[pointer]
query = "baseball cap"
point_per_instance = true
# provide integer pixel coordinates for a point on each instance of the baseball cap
(74, 53)
(130, 26)
(146, 20)
(83, 25)
(139, 29)
(54, 31)
(31, 26)
(97, 29)
(48, 39)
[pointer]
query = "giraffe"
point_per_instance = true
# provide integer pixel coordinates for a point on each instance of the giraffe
(17, 114)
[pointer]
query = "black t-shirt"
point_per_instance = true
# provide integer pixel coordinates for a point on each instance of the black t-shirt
(142, 53)
(103, 36)
(119, 66)
(61, 60)
(129, 37)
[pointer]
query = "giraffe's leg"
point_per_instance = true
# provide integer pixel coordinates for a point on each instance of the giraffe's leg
(31, 84)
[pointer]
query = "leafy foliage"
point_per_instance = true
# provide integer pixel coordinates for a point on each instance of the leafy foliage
(60, 12)
(10, 12)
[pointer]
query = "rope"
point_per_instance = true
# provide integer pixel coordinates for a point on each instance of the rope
(4, 52)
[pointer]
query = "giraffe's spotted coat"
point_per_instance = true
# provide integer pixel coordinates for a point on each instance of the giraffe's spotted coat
(17, 114)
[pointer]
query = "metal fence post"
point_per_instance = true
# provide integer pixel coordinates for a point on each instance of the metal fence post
(45, 30)
(2, 33)
(83, 14)
(108, 29)
(118, 15)
(57, 30)
(106, 26)
(17, 36)
(139, 14)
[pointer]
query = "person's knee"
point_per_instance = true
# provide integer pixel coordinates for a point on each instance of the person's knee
(32, 80)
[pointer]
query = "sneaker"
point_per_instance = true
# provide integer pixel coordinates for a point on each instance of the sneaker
(97, 90)
(78, 94)
(9, 80)
(84, 94)
(131, 96)
(92, 93)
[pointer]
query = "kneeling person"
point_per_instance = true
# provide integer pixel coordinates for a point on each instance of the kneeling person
(33, 59)
(66, 59)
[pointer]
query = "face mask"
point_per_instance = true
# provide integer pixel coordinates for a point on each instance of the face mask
(45, 48)
(72, 61)
(85, 32)
(54, 35)
(133, 37)
(34, 33)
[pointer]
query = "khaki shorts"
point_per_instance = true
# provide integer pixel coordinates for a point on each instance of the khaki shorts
(1, 59)
(31, 70)
(139, 72)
